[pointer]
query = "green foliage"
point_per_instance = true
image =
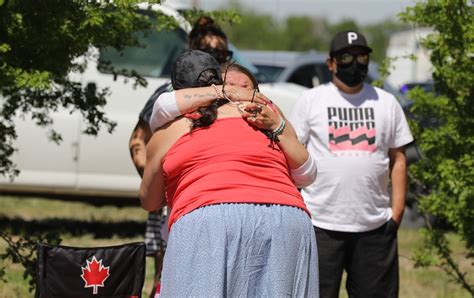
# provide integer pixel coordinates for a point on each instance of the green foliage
(302, 33)
(384, 70)
(222, 17)
(263, 32)
(443, 125)
(254, 32)
(34, 73)
(345, 24)
(23, 251)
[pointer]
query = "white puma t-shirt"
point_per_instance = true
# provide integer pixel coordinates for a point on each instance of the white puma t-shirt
(349, 136)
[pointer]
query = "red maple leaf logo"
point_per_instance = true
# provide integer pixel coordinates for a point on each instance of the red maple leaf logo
(94, 274)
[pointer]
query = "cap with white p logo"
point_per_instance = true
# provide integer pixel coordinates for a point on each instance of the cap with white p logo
(351, 36)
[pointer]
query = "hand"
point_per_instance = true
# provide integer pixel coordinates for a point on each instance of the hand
(236, 93)
(262, 116)
(397, 220)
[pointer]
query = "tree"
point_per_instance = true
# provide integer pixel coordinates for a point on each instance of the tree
(268, 34)
(443, 125)
(301, 34)
(40, 42)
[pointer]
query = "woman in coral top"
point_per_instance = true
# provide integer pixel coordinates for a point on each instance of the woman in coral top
(238, 225)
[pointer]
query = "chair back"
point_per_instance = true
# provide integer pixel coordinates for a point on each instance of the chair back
(111, 271)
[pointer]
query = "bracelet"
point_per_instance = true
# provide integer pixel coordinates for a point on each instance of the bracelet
(218, 93)
(273, 135)
(279, 130)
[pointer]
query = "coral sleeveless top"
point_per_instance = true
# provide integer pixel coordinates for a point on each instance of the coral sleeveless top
(228, 162)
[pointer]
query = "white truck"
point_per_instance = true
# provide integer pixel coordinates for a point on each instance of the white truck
(101, 166)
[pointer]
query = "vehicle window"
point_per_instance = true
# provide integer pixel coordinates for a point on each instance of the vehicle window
(153, 59)
(268, 73)
(311, 75)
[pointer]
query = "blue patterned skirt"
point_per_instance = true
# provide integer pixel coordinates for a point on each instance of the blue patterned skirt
(235, 250)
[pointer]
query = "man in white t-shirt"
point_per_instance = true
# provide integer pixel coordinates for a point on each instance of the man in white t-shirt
(356, 133)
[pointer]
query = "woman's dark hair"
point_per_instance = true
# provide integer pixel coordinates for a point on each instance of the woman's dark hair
(208, 113)
(204, 30)
(204, 26)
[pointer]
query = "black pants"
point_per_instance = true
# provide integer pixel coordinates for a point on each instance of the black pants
(369, 258)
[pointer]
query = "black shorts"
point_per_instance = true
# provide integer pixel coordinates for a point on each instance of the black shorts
(369, 258)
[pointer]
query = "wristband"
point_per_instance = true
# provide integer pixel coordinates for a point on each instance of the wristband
(273, 135)
(279, 130)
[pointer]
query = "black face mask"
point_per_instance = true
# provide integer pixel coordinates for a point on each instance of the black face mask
(352, 74)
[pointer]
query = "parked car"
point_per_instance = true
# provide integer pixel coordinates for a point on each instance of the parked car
(100, 165)
(306, 69)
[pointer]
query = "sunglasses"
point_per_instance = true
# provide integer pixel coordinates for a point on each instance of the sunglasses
(347, 58)
(221, 55)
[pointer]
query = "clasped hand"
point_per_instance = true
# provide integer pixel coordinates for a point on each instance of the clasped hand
(260, 112)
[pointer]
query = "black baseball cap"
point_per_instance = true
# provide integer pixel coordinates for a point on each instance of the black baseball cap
(188, 67)
(346, 39)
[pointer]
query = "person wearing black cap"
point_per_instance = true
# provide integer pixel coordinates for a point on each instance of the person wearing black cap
(356, 133)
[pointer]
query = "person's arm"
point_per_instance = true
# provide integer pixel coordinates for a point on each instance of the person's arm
(152, 194)
(137, 145)
(302, 166)
(189, 100)
(398, 161)
(152, 188)
(398, 175)
(180, 102)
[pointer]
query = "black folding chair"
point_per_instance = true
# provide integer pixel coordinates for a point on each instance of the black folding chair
(112, 271)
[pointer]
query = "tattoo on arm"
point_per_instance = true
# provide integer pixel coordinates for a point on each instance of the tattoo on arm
(199, 96)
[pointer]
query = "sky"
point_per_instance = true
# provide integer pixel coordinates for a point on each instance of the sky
(363, 11)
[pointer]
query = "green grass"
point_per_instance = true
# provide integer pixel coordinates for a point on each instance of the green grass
(82, 224)
(432, 282)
